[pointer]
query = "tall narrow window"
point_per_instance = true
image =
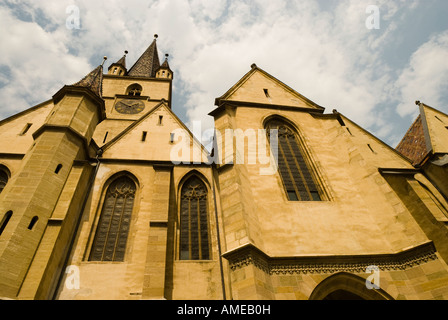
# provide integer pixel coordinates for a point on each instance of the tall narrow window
(439, 119)
(296, 174)
(58, 168)
(113, 227)
(348, 130)
(3, 180)
(194, 242)
(105, 136)
(26, 128)
(33, 222)
(5, 221)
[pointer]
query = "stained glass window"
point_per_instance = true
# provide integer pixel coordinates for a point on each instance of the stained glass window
(296, 174)
(194, 241)
(113, 227)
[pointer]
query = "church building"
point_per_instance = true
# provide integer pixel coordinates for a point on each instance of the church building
(106, 194)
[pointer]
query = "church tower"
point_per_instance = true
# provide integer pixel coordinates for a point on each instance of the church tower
(48, 175)
(31, 196)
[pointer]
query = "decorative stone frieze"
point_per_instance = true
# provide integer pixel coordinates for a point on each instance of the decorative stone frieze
(249, 254)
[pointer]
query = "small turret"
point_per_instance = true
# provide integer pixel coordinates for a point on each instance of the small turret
(30, 198)
(164, 70)
(119, 68)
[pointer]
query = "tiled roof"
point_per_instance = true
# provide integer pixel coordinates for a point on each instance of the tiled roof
(93, 81)
(165, 63)
(413, 144)
(147, 64)
(122, 61)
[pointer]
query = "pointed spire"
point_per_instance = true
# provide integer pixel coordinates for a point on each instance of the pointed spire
(165, 63)
(148, 63)
(93, 80)
(122, 61)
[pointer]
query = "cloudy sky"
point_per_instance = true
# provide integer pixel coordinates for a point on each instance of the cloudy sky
(335, 52)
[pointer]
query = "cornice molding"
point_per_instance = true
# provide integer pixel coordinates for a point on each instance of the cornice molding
(251, 255)
(221, 104)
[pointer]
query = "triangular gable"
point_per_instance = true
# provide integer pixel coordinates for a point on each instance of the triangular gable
(259, 87)
(435, 124)
(12, 135)
(147, 139)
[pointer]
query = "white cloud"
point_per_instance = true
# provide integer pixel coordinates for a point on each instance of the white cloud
(327, 55)
(426, 77)
(37, 63)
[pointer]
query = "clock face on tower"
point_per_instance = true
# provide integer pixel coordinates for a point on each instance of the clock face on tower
(129, 106)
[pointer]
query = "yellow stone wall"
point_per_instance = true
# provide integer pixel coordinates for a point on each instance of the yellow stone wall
(361, 215)
(147, 244)
(427, 281)
(364, 211)
(11, 129)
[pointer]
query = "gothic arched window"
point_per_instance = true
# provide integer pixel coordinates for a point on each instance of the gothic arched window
(296, 174)
(3, 180)
(194, 241)
(113, 227)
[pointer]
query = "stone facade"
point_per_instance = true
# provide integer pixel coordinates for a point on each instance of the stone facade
(377, 214)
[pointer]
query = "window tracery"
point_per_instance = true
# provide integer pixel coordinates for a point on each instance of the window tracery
(296, 174)
(113, 227)
(194, 241)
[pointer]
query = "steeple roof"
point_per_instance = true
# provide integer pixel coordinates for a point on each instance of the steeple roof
(93, 80)
(413, 145)
(122, 61)
(148, 63)
(165, 63)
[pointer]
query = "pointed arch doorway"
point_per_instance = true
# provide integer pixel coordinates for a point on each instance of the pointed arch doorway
(346, 286)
